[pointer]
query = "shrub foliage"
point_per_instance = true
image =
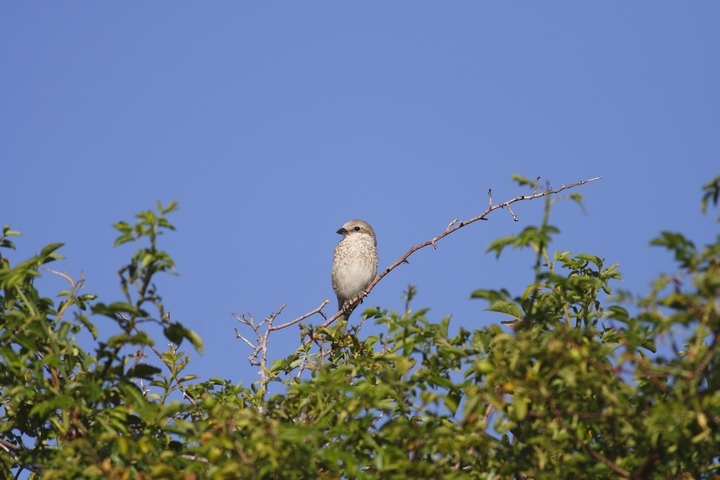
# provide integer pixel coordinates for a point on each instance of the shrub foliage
(580, 381)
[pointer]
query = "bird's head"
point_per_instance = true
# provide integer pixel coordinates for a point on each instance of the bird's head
(357, 227)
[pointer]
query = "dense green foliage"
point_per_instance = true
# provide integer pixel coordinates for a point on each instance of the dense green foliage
(581, 383)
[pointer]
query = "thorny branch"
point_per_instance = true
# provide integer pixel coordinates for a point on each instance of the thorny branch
(260, 348)
(451, 228)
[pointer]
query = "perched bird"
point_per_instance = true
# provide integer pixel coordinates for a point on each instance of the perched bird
(355, 262)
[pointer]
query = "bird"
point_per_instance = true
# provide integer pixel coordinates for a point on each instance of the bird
(355, 262)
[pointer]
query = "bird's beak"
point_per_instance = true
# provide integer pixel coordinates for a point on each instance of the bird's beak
(342, 231)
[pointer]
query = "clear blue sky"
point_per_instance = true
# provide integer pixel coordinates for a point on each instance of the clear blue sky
(273, 123)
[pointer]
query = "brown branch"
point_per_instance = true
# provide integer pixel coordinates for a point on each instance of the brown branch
(645, 470)
(9, 448)
(302, 317)
(451, 228)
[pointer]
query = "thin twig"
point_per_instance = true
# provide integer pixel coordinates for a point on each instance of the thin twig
(512, 213)
(487, 413)
(239, 335)
(302, 317)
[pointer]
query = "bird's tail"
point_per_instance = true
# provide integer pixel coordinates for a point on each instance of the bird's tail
(344, 318)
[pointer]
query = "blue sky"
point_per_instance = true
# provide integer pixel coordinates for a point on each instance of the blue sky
(273, 123)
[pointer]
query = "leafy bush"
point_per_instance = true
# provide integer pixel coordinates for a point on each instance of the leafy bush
(573, 387)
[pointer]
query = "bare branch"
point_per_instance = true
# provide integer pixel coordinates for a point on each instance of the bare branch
(302, 317)
(8, 447)
(62, 274)
(249, 321)
(239, 335)
(453, 227)
(512, 213)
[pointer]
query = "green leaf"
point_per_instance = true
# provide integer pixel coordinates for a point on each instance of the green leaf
(590, 258)
(143, 370)
(116, 308)
(4, 242)
(712, 192)
(452, 401)
(47, 254)
(520, 408)
(195, 340)
(683, 248)
(176, 333)
(499, 244)
(618, 313)
(508, 308)
(524, 182)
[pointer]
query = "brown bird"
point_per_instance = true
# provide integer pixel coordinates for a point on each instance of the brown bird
(355, 262)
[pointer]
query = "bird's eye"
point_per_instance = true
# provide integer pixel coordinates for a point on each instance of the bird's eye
(357, 229)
